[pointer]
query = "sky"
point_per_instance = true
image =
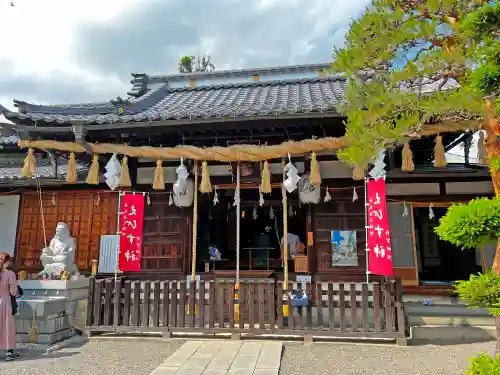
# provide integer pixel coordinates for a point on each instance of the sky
(59, 51)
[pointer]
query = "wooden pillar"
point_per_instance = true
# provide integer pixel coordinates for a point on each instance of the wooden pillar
(310, 240)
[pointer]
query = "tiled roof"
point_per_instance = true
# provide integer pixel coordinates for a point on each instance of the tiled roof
(12, 170)
(225, 94)
(8, 139)
(286, 90)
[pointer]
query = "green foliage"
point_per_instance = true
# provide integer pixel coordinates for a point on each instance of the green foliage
(495, 163)
(483, 21)
(395, 48)
(484, 364)
(198, 63)
(471, 225)
(186, 64)
(481, 291)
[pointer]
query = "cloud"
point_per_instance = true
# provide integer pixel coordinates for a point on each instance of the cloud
(58, 88)
(152, 36)
(88, 55)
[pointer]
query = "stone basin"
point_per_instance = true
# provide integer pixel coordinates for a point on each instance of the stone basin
(51, 305)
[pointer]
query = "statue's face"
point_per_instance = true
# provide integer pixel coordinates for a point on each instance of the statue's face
(61, 231)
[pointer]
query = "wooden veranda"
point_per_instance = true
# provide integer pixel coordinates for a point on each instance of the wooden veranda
(336, 310)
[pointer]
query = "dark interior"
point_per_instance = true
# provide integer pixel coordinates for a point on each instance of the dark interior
(440, 262)
(260, 236)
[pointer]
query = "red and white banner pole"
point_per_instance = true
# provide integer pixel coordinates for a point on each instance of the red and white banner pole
(367, 249)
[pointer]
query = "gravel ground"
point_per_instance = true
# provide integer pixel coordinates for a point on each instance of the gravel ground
(96, 357)
(332, 359)
(141, 357)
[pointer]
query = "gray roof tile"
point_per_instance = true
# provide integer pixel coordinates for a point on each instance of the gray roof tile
(11, 169)
(282, 90)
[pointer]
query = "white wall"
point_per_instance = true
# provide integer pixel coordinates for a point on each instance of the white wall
(9, 212)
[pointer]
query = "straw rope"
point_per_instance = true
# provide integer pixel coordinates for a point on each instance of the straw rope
(236, 152)
(229, 154)
(238, 223)
(195, 224)
(285, 230)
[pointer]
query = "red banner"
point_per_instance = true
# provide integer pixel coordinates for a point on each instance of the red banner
(131, 223)
(379, 233)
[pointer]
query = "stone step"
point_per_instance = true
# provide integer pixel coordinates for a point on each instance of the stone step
(224, 358)
(452, 334)
(451, 320)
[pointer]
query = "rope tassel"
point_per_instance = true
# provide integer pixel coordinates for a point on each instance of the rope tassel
(265, 184)
(407, 156)
(29, 167)
(125, 174)
(315, 174)
(205, 185)
(439, 153)
(93, 176)
(358, 173)
(159, 180)
(71, 171)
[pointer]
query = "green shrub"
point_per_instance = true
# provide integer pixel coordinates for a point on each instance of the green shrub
(484, 365)
(471, 225)
(481, 290)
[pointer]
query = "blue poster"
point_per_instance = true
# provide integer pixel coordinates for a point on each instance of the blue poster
(344, 248)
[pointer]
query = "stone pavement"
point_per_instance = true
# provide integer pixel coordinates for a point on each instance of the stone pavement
(224, 358)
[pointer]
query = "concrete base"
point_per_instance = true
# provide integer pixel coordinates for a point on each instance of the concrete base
(50, 307)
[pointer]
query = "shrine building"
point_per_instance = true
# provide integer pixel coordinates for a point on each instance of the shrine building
(237, 222)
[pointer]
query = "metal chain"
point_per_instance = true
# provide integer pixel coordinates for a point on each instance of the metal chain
(238, 219)
(195, 223)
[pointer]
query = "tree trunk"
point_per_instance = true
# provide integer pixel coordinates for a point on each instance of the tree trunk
(493, 149)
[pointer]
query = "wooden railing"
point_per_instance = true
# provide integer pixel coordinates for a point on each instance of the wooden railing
(371, 310)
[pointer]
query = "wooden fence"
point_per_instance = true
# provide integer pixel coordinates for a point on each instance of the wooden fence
(349, 310)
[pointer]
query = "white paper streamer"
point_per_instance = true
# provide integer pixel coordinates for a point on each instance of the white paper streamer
(328, 197)
(405, 210)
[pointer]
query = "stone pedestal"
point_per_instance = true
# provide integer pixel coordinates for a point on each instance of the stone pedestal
(51, 305)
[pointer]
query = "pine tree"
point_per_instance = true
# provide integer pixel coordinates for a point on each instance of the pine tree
(412, 62)
(398, 51)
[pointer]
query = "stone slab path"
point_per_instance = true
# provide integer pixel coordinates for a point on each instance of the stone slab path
(223, 358)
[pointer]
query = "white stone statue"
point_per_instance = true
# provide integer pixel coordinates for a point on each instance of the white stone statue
(59, 256)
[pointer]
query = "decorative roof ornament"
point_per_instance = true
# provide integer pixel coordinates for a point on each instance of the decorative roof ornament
(121, 105)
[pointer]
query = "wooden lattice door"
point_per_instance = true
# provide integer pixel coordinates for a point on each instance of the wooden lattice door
(87, 214)
(166, 235)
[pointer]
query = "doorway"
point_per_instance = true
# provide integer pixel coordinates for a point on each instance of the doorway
(440, 262)
(261, 230)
